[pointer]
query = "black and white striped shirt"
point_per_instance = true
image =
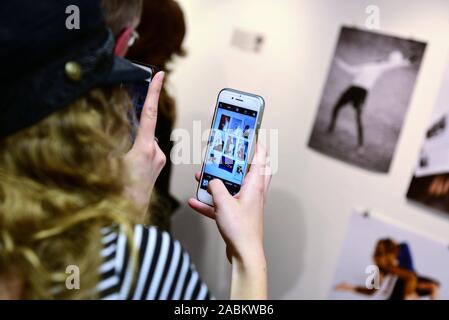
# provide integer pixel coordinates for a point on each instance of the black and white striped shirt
(164, 271)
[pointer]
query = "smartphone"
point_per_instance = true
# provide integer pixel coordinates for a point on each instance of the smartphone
(138, 92)
(232, 141)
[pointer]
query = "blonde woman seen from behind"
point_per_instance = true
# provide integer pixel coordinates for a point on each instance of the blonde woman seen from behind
(73, 192)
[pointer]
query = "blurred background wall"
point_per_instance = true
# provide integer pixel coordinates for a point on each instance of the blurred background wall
(312, 195)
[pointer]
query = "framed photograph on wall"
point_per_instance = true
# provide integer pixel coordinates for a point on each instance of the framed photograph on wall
(366, 96)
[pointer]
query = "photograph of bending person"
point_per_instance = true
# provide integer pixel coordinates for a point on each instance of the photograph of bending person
(366, 97)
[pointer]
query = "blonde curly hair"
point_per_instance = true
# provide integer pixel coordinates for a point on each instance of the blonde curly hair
(61, 181)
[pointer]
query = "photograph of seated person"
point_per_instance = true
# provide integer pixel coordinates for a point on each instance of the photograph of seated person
(75, 192)
(395, 260)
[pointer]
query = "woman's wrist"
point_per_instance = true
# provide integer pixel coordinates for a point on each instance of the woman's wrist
(250, 257)
(139, 196)
(249, 276)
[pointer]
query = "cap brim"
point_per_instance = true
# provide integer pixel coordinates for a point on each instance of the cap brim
(124, 71)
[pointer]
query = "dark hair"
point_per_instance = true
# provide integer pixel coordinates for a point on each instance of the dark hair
(385, 246)
(162, 31)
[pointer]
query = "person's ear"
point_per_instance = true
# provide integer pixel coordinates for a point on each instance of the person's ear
(122, 41)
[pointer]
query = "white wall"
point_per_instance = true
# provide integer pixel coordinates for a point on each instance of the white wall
(312, 195)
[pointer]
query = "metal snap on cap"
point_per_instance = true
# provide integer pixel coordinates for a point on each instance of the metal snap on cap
(73, 71)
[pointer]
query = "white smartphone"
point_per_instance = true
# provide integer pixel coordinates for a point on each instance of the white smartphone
(232, 141)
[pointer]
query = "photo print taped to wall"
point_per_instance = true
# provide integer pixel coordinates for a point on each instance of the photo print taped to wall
(376, 257)
(366, 96)
(430, 183)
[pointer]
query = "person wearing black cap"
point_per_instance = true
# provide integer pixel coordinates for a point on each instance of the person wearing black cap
(72, 191)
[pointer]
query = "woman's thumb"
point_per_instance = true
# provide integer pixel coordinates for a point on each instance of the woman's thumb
(219, 192)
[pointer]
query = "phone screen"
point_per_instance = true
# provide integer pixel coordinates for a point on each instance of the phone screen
(138, 93)
(228, 146)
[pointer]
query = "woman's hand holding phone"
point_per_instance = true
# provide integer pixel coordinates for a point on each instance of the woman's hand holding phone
(240, 222)
(145, 160)
(239, 219)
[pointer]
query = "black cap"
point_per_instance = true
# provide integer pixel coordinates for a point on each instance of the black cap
(45, 64)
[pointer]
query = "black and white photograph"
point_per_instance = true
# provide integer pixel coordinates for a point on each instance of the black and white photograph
(366, 96)
(382, 260)
(430, 183)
